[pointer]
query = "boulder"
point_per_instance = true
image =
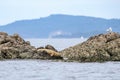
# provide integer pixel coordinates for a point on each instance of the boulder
(50, 47)
(40, 48)
(103, 47)
(47, 54)
(13, 47)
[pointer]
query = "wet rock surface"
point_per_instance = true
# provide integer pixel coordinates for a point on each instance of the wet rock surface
(14, 47)
(103, 47)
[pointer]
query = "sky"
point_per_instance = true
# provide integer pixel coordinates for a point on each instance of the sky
(14, 10)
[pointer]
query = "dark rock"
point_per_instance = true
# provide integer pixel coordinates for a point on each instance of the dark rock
(3, 33)
(14, 47)
(50, 47)
(103, 47)
(40, 48)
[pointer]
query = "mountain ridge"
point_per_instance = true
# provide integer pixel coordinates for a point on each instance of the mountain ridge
(61, 26)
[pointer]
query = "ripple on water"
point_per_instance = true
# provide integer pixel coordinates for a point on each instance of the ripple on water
(49, 70)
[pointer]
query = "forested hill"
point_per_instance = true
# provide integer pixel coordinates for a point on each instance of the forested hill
(61, 26)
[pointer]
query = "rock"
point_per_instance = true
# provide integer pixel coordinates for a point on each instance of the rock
(9, 52)
(50, 47)
(103, 47)
(40, 48)
(3, 33)
(26, 55)
(47, 54)
(14, 47)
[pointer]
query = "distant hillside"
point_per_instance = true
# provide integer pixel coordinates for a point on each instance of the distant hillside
(61, 26)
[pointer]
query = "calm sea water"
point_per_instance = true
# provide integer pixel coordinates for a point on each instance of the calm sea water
(59, 44)
(51, 70)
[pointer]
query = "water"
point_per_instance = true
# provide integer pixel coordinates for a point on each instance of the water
(59, 44)
(51, 70)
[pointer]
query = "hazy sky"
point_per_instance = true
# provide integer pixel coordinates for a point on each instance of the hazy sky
(12, 10)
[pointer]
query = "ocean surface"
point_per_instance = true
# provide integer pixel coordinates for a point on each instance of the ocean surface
(52, 70)
(59, 44)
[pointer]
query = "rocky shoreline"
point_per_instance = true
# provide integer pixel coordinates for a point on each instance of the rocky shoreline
(103, 47)
(14, 47)
(99, 48)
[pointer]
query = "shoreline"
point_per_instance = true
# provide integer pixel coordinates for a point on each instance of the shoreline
(99, 48)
